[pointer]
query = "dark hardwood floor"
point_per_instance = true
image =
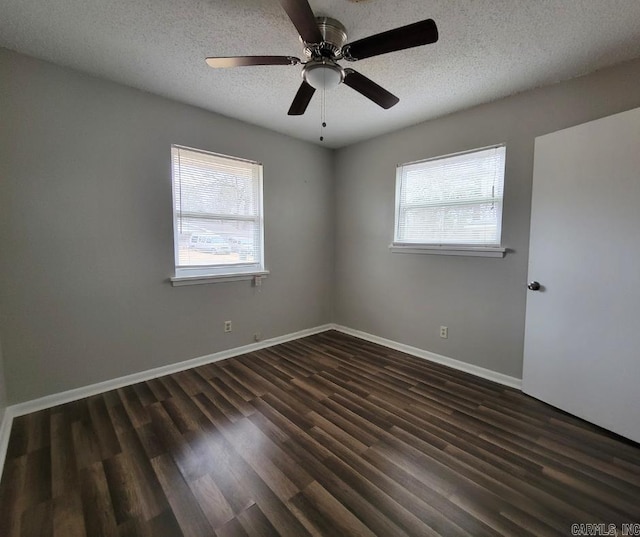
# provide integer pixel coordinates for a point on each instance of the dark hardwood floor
(328, 435)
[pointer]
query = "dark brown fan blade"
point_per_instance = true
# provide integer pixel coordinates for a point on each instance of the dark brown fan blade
(413, 35)
(240, 61)
(301, 100)
(370, 89)
(303, 19)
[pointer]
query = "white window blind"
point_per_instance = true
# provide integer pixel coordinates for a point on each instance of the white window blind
(218, 222)
(451, 200)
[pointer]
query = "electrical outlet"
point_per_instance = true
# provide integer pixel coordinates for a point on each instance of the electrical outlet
(257, 336)
(227, 326)
(444, 332)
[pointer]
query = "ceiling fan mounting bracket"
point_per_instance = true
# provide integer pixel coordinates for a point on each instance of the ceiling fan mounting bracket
(346, 54)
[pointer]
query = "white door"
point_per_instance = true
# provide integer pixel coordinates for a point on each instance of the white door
(582, 338)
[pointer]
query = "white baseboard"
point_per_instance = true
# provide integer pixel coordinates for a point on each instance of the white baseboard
(49, 401)
(93, 389)
(68, 396)
(478, 371)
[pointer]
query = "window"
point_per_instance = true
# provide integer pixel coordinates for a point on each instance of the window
(451, 203)
(217, 216)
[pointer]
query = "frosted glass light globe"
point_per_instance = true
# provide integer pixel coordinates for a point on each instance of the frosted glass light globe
(323, 75)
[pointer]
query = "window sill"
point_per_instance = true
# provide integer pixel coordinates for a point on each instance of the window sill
(473, 251)
(178, 281)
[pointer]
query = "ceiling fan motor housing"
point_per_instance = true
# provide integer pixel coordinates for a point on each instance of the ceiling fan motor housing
(334, 36)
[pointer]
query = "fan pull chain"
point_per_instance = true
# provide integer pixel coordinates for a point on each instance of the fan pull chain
(323, 112)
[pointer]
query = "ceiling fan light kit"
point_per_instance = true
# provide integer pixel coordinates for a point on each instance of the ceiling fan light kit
(324, 44)
(323, 74)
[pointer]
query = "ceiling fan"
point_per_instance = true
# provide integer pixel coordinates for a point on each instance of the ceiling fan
(324, 41)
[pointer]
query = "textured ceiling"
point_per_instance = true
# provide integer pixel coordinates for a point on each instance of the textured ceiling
(487, 49)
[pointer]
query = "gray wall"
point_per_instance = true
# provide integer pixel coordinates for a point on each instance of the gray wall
(86, 232)
(406, 297)
(3, 387)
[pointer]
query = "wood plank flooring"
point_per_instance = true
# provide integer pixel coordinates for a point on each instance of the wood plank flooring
(323, 436)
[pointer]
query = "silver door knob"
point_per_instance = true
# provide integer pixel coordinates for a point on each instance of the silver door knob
(534, 286)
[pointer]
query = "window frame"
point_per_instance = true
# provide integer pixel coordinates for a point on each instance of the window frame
(201, 274)
(445, 248)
